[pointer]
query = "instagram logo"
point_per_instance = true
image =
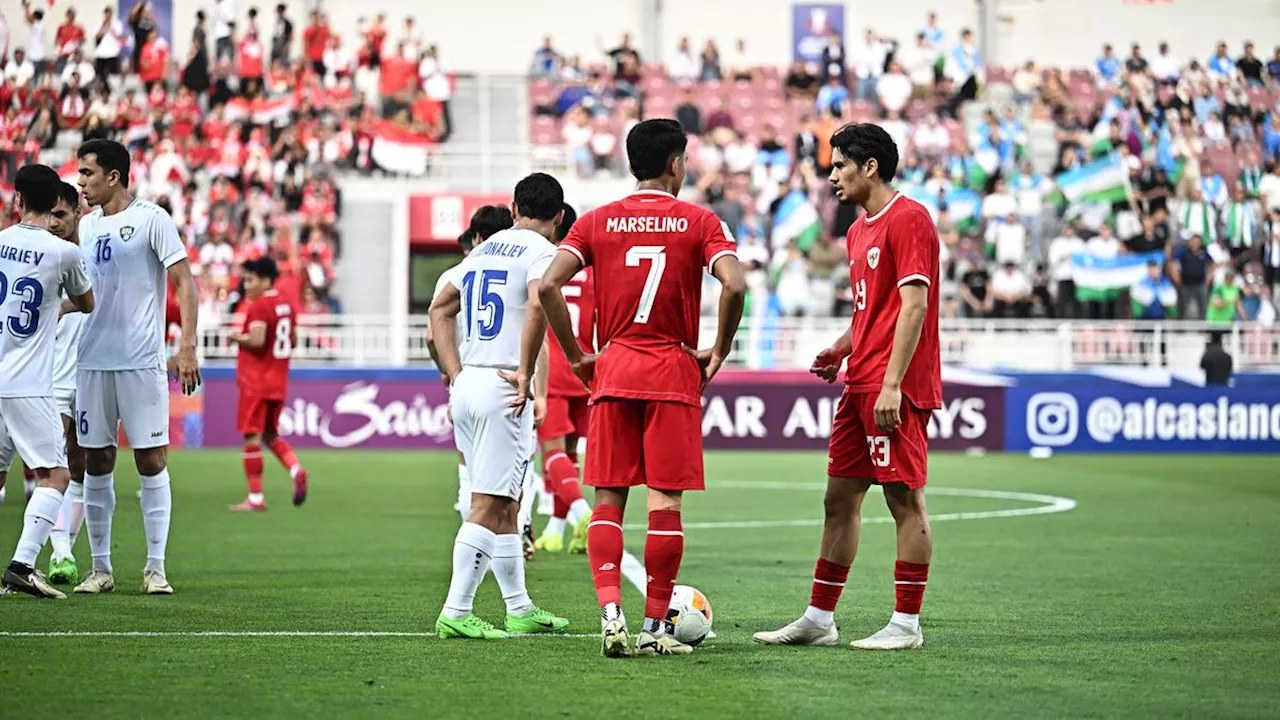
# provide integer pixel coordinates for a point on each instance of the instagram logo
(1053, 419)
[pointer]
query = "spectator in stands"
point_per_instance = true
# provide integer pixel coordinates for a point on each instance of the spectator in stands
(577, 138)
(142, 22)
(109, 41)
(773, 161)
(546, 61)
(1214, 131)
(624, 53)
(710, 63)
(919, 61)
(832, 97)
(68, 39)
(806, 143)
(315, 40)
(730, 208)
(1165, 67)
(868, 64)
(604, 145)
(1221, 66)
(224, 24)
(1026, 83)
(1199, 217)
(1249, 66)
(1135, 63)
(411, 37)
(1271, 139)
(1273, 66)
(893, 89)
(975, 289)
(719, 117)
(792, 291)
(964, 67)
(833, 59)
(153, 60)
(20, 69)
(1190, 268)
(688, 114)
(195, 72)
(801, 84)
(683, 67)
(1270, 255)
(1215, 362)
(1149, 240)
(1010, 292)
(282, 36)
(741, 69)
(1061, 251)
(1242, 224)
(1008, 240)
(1212, 187)
(1225, 299)
(78, 73)
(1153, 297)
(36, 51)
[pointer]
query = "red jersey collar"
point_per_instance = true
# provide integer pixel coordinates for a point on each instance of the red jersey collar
(872, 218)
(662, 193)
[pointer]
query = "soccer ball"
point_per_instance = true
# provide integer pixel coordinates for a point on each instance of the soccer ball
(690, 614)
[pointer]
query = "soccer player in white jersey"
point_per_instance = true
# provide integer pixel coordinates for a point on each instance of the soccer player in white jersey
(129, 245)
(489, 361)
(35, 268)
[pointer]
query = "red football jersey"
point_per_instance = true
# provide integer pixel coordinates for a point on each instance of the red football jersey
(265, 371)
(896, 246)
(648, 251)
(580, 295)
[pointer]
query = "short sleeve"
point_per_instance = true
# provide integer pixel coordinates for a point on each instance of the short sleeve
(75, 276)
(540, 262)
(445, 278)
(164, 239)
(256, 315)
(578, 241)
(913, 240)
(717, 241)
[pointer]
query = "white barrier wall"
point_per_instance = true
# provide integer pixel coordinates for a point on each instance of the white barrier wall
(499, 36)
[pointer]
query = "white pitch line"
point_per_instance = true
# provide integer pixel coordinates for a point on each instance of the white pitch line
(260, 634)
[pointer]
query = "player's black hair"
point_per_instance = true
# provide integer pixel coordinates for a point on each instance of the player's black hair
(38, 186)
(650, 145)
(109, 154)
(539, 197)
(263, 267)
(861, 142)
(488, 220)
(566, 223)
(68, 194)
(467, 241)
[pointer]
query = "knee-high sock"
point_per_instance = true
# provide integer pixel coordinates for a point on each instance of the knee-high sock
(42, 512)
(472, 552)
(70, 518)
(157, 506)
(99, 508)
(284, 453)
(253, 472)
(508, 569)
(464, 492)
(663, 549)
(604, 551)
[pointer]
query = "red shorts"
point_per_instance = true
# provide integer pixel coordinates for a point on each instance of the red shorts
(565, 416)
(256, 415)
(859, 449)
(644, 442)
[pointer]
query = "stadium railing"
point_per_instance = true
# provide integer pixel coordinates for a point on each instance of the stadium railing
(791, 344)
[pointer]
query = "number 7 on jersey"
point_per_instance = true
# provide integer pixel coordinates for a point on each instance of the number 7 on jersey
(656, 254)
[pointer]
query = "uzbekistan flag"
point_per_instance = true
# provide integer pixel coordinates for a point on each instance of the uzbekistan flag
(1099, 279)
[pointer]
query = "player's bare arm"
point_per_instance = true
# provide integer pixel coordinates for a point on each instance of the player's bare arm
(255, 339)
(435, 354)
(188, 310)
(563, 267)
(444, 329)
(827, 364)
(733, 297)
(906, 335)
(535, 329)
(540, 381)
(81, 303)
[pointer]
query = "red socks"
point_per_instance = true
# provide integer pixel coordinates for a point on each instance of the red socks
(559, 510)
(283, 452)
(828, 582)
(604, 551)
(562, 475)
(663, 549)
(908, 581)
(253, 468)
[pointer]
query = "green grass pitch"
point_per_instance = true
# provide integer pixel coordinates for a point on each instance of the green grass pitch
(1158, 595)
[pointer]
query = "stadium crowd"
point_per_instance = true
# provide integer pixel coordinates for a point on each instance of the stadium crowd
(994, 152)
(242, 140)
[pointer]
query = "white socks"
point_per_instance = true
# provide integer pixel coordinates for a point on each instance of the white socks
(578, 510)
(904, 620)
(472, 549)
(157, 506)
(464, 492)
(508, 569)
(99, 507)
(555, 526)
(821, 618)
(42, 512)
(527, 500)
(70, 518)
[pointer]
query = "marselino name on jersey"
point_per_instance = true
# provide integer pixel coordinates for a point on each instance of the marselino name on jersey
(651, 224)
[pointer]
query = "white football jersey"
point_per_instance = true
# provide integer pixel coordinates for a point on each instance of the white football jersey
(494, 283)
(66, 349)
(128, 254)
(35, 267)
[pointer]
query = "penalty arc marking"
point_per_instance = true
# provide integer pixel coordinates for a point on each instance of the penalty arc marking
(632, 569)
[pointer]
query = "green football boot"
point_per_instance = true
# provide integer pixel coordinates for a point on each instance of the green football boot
(468, 627)
(536, 620)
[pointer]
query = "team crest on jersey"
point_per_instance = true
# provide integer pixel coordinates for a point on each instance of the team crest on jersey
(873, 257)
(126, 232)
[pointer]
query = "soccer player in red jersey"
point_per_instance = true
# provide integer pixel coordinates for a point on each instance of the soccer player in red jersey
(893, 381)
(567, 413)
(266, 341)
(646, 382)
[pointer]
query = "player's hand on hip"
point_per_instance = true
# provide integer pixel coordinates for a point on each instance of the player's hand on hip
(520, 382)
(887, 409)
(539, 411)
(188, 370)
(585, 369)
(827, 365)
(708, 362)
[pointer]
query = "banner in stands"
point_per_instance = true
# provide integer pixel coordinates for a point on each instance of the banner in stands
(1122, 417)
(438, 220)
(811, 23)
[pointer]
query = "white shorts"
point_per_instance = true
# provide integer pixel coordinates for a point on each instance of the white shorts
(137, 398)
(65, 399)
(32, 427)
(496, 444)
